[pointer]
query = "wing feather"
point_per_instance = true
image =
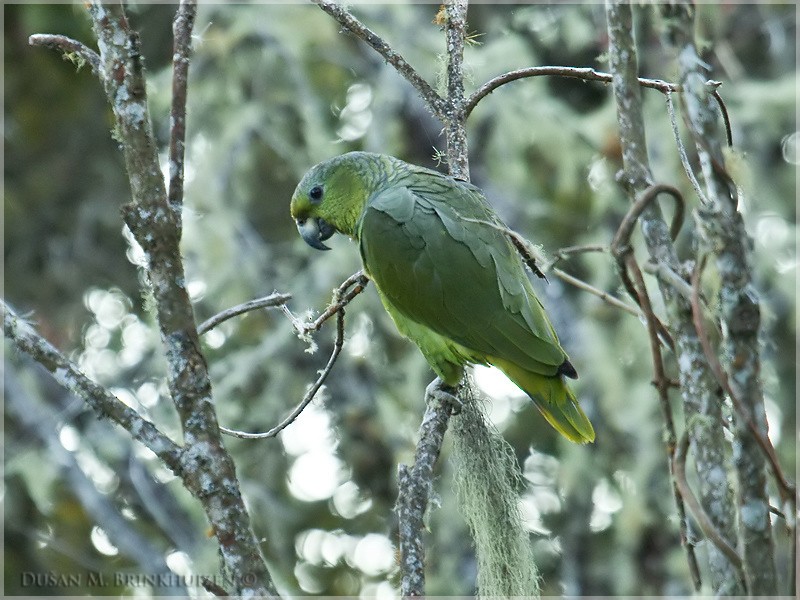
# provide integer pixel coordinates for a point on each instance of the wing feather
(425, 251)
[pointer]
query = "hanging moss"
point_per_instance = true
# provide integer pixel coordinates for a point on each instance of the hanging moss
(487, 478)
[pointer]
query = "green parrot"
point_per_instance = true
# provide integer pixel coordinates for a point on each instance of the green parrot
(445, 271)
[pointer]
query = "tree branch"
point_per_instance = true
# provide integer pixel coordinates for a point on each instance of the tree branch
(105, 404)
(454, 115)
(697, 383)
(415, 485)
(342, 296)
(39, 422)
(312, 391)
(669, 277)
(206, 468)
(603, 295)
(722, 231)
(662, 384)
(272, 301)
(641, 204)
(700, 515)
(786, 488)
(182, 47)
(436, 104)
(682, 151)
(585, 73)
(68, 46)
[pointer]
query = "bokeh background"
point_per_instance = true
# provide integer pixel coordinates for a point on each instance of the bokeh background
(275, 88)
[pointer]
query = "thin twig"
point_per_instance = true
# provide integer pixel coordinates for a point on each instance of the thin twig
(563, 253)
(529, 255)
(67, 374)
(312, 391)
(68, 46)
(585, 73)
(435, 102)
(621, 248)
(620, 245)
(526, 250)
(682, 151)
(712, 161)
(662, 384)
(604, 296)
(342, 296)
(667, 275)
(272, 301)
(698, 512)
(786, 488)
(623, 235)
(725, 117)
(181, 51)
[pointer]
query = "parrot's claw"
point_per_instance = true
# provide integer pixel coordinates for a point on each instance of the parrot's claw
(447, 395)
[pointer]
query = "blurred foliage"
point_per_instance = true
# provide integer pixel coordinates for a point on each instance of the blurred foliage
(274, 89)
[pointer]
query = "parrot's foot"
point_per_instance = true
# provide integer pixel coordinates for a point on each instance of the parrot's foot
(447, 395)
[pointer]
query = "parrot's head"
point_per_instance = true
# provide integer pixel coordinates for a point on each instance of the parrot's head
(330, 199)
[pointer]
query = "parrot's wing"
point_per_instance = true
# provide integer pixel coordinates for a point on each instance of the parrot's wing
(429, 247)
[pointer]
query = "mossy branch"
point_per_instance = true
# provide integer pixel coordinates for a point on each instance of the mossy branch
(697, 384)
(153, 217)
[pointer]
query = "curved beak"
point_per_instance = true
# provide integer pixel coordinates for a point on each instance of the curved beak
(314, 232)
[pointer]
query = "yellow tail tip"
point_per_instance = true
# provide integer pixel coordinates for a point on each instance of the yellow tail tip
(554, 399)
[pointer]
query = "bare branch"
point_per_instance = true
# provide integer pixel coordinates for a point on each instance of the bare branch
(620, 245)
(154, 223)
(25, 339)
(182, 46)
(670, 277)
(585, 73)
(312, 391)
(604, 296)
(622, 237)
(436, 104)
(68, 46)
(272, 301)
(563, 253)
(725, 117)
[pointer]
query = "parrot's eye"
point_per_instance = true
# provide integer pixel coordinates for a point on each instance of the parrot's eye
(315, 193)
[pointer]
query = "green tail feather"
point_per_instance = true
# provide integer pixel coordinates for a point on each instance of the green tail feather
(554, 399)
